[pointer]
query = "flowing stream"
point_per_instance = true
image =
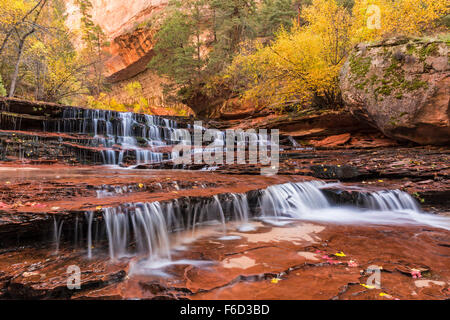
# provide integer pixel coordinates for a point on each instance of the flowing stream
(153, 230)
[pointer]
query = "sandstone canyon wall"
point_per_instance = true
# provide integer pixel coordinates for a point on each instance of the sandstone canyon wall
(131, 45)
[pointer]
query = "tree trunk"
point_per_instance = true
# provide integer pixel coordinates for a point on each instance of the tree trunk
(12, 89)
(39, 5)
(5, 41)
(37, 91)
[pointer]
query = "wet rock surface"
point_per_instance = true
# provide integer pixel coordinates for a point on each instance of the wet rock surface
(49, 197)
(300, 261)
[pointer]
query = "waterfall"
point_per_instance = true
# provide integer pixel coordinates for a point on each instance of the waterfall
(241, 211)
(153, 230)
(292, 199)
(117, 227)
(57, 231)
(145, 224)
(75, 240)
(120, 134)
(220, 210)
(89, 216)
(122, 138)
(390, 200)
(240, 205)
(305, 201)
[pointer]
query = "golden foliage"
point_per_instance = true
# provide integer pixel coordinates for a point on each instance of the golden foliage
(105, 103)
(373, 19)
(12, 11)
(301, 66)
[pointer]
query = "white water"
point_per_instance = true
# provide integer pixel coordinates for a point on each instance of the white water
(57, 230)
(292, 199)
(155, 230)
(121, 130)
(89, 216)
(387, 200)
(146, 223)
(126, 136)
(305, 201)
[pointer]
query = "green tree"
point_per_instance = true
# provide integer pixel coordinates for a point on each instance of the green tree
(178, 49)
(94, 40)
(275, 14)
(198, 38)
(234, 21)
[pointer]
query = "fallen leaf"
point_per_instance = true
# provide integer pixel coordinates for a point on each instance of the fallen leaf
(274, 280)
(415, 273)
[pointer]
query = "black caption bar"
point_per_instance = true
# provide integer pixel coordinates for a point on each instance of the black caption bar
(188, 309)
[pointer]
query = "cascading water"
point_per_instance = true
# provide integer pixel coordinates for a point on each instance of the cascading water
(57, 231)
(145, 224)
(153, 230)
(89, 216)
(292, 199)
(119, 134)
(305, 201)
(390, 200)
(242, 211)
(126, 138)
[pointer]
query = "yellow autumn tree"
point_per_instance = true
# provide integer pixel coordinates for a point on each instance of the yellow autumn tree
(374, 19)
(301, 65)
(12, 12)
(37, 58)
